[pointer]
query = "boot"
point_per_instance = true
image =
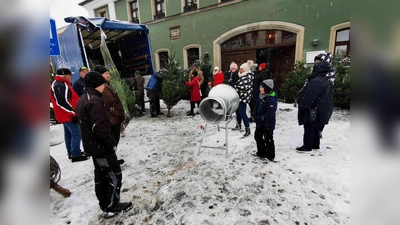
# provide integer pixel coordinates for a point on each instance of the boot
(237, 127)
(248, 132)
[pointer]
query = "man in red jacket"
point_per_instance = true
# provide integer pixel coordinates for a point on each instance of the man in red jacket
(64, 99)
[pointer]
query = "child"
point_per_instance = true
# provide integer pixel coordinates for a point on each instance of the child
(264, 116)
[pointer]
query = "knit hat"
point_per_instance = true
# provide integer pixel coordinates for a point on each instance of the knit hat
(196, 65)
(100, 69)
(263, 66)
(245, 68)
(233, 66)
(83, 68)
(216, 68)
(94, 79)
(64, 71)
(268, 85)
(137, 72)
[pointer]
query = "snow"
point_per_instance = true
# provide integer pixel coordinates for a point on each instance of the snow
(168, 183)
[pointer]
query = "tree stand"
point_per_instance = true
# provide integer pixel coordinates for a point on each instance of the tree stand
(225, 147)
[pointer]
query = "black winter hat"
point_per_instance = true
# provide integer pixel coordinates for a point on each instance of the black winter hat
(64, 71)
(94, 79)
(268, 85)
(100, 69)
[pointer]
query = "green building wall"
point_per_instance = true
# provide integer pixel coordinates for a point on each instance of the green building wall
(213, 19)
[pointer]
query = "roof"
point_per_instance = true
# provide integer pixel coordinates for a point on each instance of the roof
(114, 29)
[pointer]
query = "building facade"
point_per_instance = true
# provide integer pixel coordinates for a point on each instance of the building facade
(275, 32)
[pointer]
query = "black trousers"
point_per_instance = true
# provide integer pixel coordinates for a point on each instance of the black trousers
(192, 106)
(116, 130)
(265, 143)
(154, 98)
(108, 180)
(311, 135)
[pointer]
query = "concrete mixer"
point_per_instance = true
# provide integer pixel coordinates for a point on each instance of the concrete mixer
(217, 108)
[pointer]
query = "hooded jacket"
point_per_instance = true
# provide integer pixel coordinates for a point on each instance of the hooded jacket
(64, 99)
(97, 138)
(317, 93)
(264, 113)
(244, 85)
(194, 89)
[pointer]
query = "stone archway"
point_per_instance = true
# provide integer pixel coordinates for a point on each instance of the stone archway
(265, 25)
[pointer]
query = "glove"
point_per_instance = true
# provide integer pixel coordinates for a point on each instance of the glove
(75, 119)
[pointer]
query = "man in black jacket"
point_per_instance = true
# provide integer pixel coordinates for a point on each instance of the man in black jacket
(315, 102)
(99, 142)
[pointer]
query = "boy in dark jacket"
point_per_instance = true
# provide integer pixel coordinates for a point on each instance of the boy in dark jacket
(99, 142)
(264, 115)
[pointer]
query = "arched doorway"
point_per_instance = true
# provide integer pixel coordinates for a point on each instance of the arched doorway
(279, 44)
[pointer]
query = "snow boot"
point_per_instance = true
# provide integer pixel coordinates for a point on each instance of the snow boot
(248, 132)
(237, 127)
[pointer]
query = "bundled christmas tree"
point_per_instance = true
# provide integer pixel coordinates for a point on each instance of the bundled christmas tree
(294, 81)
(173, 87)
(119, 85)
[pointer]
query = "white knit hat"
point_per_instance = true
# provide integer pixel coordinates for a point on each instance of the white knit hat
(245, 68)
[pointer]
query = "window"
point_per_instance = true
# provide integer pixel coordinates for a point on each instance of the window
(163, 56)
(190, 5)
(134, 11)
(102, 12)
(160, 9)
(342, 42)
(192, 56)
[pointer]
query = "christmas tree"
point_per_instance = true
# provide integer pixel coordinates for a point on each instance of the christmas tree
(173, 87)
(294, 81)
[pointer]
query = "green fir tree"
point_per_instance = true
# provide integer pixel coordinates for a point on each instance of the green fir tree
(173, 88)
(294, 81)
(119, 85)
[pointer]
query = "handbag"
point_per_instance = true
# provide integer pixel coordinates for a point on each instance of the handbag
(312, 115)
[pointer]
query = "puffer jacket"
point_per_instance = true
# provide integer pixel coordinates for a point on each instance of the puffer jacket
(264, 113)
(97, 138)
(244, 87)
(64, 99)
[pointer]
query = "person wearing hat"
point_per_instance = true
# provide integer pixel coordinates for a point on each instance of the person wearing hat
(244, 88)
(315, 102)
(79, 84)
(265, 118)
(64, 99)
(138, 85)
(114, 108)
(99, 142)
(218, 76)
(232, 74)
(259, 77)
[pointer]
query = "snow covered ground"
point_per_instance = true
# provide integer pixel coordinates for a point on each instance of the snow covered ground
(168, 183)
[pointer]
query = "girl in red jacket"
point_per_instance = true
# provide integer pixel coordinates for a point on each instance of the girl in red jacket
(195, 93)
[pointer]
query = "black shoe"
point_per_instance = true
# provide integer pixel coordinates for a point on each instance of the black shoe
(247, 132)
(79, 158)
(257, 154)
(154, 116)
(317, 147)
(119, 207)
(120, 161)
(303, 149)
(82, 153)
(160, 113)
(237, 127)
(190, 114)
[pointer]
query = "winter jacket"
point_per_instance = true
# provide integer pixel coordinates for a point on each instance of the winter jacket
(244, 87)
(113, 105)
(233, 77)
(316, 93)
(194, 89)
(200, 75)
(264, 113)
(78, 86)
(138, 83)
(64, 99)
(218, 78)
(155, 83)
(97, 137)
